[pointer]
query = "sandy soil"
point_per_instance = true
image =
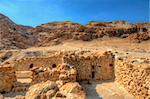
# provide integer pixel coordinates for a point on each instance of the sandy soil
(105, 90)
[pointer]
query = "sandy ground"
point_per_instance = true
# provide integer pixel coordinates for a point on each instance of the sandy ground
(12, 95)
(105, 90)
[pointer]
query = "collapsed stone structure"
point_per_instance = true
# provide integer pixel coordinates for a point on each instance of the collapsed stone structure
(85, 65)
(134, 75)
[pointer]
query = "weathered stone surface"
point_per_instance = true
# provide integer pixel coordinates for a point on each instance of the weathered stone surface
(62, 72)
(20, 97)
(39, 91)
(49, 90)
(71, 91)
(134, 77)
(139, 37)
(70, 66)
(91, 65)
(14, 36)
(7, 79)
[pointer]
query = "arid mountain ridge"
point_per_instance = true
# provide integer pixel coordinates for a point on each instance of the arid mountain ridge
(14, 36)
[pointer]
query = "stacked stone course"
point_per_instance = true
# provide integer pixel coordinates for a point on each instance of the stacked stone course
(134, 77)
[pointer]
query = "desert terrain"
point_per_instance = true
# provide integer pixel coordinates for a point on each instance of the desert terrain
(67, 60)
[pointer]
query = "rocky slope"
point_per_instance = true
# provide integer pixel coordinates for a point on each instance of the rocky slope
(56, 32)
(15, 36)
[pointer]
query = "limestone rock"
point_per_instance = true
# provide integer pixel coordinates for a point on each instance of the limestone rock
(71, 91)
(40, 90)
(50, 90)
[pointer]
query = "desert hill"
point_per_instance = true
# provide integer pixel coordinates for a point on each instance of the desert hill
(14, 36)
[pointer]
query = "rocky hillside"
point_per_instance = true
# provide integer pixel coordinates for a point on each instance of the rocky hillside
(13, 36)
(56, 32)
(18, 36)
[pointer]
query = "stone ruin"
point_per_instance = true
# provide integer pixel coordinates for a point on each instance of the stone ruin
(134, 76)
(56, 76)
(62, 67)
(86, 65)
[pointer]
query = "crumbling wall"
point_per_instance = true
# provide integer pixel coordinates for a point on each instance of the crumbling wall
(70, 66)
(7, 78)
(134, 76)
(62, 72)
(26, 64)
(91, 64)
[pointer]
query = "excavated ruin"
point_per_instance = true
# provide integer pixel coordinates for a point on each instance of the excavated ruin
(41, 63)
(57, 74)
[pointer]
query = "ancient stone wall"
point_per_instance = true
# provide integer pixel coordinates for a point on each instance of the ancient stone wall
(7, 78)
(134, 77)
(69, 66)
(91, 65)
(28, 63)
(62, 72)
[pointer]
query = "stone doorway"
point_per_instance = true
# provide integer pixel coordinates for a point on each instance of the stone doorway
(93, 72)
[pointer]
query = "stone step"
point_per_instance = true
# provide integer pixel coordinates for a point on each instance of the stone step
(24, 80)
(21, 87)
(24, 74)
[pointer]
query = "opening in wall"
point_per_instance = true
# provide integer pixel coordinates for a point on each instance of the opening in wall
(111, 65)
(54, 66)
(93, 75)
(92, 66)
(31, 66)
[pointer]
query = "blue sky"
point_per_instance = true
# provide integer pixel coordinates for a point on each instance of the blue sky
(35, 12)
